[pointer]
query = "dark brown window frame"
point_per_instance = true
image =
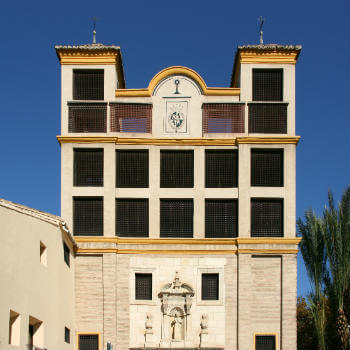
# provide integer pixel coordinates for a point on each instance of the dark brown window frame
(205, 295)
(144, 295)
(96, 93)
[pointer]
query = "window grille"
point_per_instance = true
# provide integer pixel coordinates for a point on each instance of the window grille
(132, 217)
(221, 218)
(88, 167)
(266, 217)
(267, 167)
(88, 84)
(176, 218)
(88, 342)
(265, 342)
(268, 118)
(67, 335)
(267, 84)
(223, 117)
(131, 117)
(132, 168)
(143, 286)
(87, 117)
(221, 168)
(210, 286)
(66, 253)
(88, 216)
(176, 169)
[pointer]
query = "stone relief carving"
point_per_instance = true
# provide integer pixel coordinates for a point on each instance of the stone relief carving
(148, 331)
(203, 335)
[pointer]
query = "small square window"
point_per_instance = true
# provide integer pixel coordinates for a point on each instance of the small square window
(88, 84)
(265, 342)
(43, 254)
(67, 335)
(210, 286)
(88, 342)
(267, 84)
(66, 253)
(143, 286)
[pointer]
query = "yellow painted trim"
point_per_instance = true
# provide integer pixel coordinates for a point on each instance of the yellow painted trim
(177, 70)
(188, 241)
(183, 142)
(274, 334)
(92, 333)
(269, 140)
(90, 57)
(274, 57)
(267, 251)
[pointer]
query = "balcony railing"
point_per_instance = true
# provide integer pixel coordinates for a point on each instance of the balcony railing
(87, 117)
(268, 118)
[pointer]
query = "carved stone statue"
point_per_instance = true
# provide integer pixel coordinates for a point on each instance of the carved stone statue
(176, 326)
(204, 324)
(148, 324)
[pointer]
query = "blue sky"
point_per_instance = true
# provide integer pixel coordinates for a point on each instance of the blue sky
(202, 35)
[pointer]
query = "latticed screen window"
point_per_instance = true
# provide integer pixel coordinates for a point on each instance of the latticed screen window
(176, 218)
(266, 217)
(268, 118)
(66, 253)
(87, 117)
(267, 167)
(88, 342)
(88, 84)
(265, 342)
(267, 84)
(221, 218)
(223, 117)
(88, 216)
(132, 217)
(210, 286)
(221, 168)
(143, 286)
(88, 167)
(176, 169)
(131, 117)
(132, 168)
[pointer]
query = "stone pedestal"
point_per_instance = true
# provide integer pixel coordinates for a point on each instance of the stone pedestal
(203, 340)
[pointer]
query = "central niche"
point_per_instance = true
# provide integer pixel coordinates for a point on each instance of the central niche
(176, 298)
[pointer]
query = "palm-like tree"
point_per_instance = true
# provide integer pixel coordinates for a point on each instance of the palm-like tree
(337, 241)
(313, 250)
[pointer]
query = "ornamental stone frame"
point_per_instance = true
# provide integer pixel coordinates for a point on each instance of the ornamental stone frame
(176, 298)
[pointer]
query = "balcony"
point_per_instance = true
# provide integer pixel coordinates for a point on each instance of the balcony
(267, 117)
(87, 117)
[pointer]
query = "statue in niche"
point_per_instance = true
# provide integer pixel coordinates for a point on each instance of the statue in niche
(148, 324)
(204, 324)
(176, 326)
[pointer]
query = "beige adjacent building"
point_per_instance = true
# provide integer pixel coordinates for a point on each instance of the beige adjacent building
(181, 201)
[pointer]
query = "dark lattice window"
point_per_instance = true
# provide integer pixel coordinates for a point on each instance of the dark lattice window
(267, 84)
(267, 167)
(210, 286)
(67, 335)
(132, 217)
(131, 117)
(176, 218)
(143, 286)
(66, 253)
(221, 218)
(176, 169)
(88, 216)
(132, 168)
(87, 117)
(265, 342)
(223, 117)
(221, 168)
(266, 217)
(88, 167)
(88, 342)
(268, 118)
(88, 84)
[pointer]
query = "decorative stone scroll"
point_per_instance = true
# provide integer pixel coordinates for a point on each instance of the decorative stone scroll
(176, 298)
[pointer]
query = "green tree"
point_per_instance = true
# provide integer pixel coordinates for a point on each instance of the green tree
(313, 250)
(307, 339)
(337, 241)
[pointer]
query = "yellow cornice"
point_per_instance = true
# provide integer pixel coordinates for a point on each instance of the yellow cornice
(88, 57)
(177, 70)
(183, 142)
(274, 57)
(267, 251)
(189, 241)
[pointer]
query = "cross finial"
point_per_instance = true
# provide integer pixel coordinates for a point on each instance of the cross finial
(261, 21)
(94, 19)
